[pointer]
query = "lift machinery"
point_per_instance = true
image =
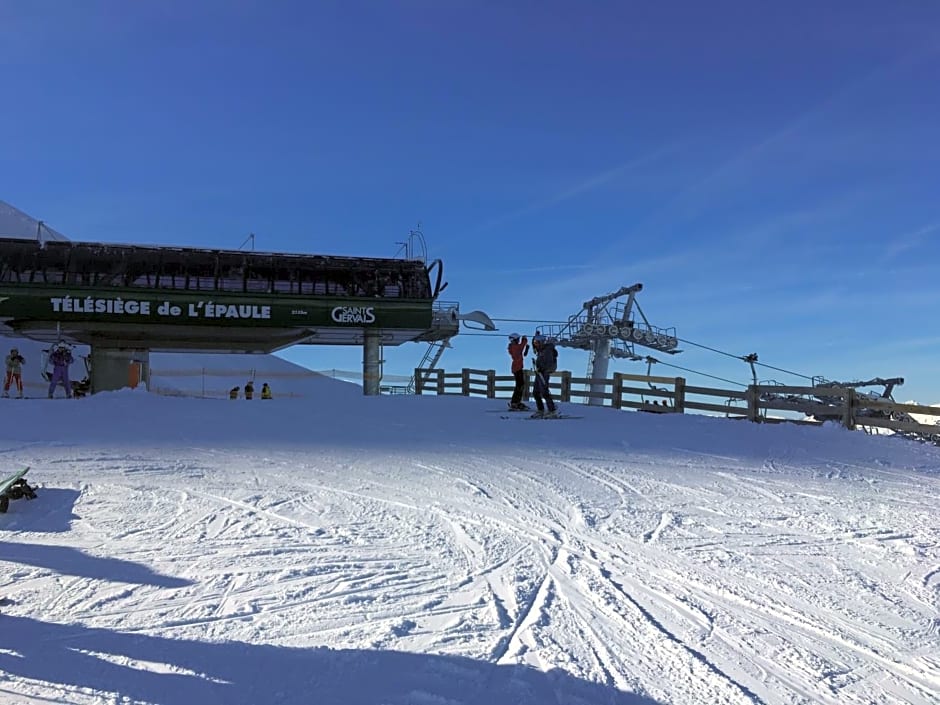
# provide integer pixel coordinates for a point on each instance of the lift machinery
(608, 327)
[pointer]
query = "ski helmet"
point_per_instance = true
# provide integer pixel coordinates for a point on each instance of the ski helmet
(514, 336)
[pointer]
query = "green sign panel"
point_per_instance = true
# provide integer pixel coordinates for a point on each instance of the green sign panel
(226, 310)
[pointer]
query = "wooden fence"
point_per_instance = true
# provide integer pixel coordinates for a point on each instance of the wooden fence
(672, 395)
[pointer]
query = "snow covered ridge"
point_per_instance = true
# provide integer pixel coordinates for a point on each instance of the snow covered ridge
(923, 418)
(422, 550)
(340, 415)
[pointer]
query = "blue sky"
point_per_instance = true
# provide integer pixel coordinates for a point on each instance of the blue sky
(769, 171)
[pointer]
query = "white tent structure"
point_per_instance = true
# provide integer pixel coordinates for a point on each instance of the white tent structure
(16, 223)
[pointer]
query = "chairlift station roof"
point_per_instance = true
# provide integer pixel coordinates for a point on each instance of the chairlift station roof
(190, 299)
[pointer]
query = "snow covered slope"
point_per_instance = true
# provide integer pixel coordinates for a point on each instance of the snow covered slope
(352, 549)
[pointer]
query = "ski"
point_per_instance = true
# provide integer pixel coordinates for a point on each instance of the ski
(559, 417)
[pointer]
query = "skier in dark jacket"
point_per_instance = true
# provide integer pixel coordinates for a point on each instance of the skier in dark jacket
(518, 348)
(249, 389)
(546, 362)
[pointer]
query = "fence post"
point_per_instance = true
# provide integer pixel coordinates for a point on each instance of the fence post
(491, 384)
(753, 397)
(527, 385)
(465, 382)
(419, 381)
(565, 385)
(440, 381)
(848, 413)
(679, 390)
(617, 400)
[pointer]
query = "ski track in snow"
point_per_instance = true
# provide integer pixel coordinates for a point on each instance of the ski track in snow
(687, 577)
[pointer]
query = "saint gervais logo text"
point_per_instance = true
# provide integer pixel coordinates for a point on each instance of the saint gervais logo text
(353, 314)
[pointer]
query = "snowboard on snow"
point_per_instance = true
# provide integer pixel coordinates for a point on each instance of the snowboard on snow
(7, 481)
(15, 487)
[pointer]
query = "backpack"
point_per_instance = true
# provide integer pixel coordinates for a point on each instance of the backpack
(551, 354)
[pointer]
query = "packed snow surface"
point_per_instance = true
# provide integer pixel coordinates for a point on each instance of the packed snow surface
(423, 550)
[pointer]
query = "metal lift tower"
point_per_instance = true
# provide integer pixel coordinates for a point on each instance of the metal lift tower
(610, 326)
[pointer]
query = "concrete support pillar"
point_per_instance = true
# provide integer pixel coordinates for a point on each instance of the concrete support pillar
(371, 363)
(117, 368)
(599, 371)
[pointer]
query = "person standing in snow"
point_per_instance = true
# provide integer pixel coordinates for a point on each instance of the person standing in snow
(546, 362)
(14, 363)
(233, 392)
(266, 391)
(249, 390)
(518, 348)
(61, 358)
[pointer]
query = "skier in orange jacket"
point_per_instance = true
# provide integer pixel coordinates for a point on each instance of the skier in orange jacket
(518, 348)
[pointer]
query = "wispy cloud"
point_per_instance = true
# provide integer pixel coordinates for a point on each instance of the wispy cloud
(735, 171)
(911, 240)
(558, 297)
(907, 346)
(532, 270)
(596, 181)
(799, 123)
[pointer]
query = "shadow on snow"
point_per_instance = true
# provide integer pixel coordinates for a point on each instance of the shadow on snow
(70, 561)
(50, 513)
(178, 671)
